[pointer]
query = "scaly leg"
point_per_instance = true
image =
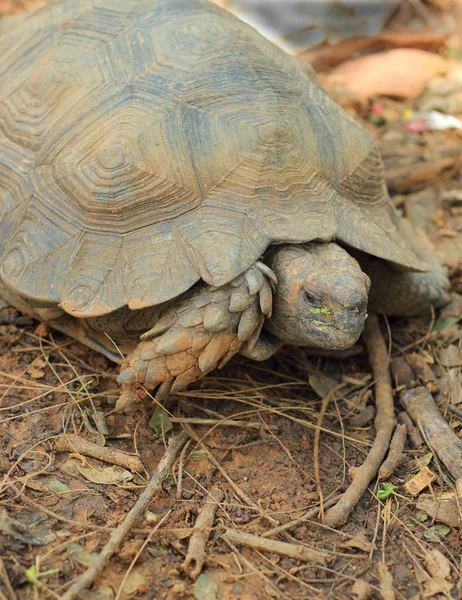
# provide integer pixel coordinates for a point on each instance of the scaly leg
(197, 334)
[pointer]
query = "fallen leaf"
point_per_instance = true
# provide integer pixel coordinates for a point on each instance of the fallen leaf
(360, 542)
(81, 555)
(386, 583)
(322, 385)
(41, 330)
(107, 476)
(35, 370)
(445, 511)
(160, 421)
(136, 582)
(399, 73)
(58, 487)
(439, 570)
(451, 356)
(436, 531)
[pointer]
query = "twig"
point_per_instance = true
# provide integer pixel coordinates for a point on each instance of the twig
(420, 405)
(74, 443)
(260, 543)
(395, 454)
(384, 425)
(115, 539)
(413, 433)
(195, 557)
(317, 434)
(179, 488)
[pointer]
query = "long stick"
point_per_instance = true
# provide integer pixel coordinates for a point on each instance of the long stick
(85, 580)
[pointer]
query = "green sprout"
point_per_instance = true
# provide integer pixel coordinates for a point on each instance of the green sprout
(388, 489)
(32, 574)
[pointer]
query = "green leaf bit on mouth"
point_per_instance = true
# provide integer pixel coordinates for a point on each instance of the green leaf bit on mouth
(320, 311)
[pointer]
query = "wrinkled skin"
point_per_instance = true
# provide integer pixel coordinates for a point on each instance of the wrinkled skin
(321, 298)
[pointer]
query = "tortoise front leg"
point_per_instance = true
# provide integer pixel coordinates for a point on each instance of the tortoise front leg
(263, 347)
(197, 334)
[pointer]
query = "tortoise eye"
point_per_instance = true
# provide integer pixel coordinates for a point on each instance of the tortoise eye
(311, 299)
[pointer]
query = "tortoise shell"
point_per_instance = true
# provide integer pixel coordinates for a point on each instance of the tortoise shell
(145, 145)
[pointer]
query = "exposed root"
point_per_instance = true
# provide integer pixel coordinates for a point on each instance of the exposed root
(195, 557)
(74, 443)
(413, 433)
(274, 546)
(395, 455)
(420, 405)
(87, 578)
(384, 425)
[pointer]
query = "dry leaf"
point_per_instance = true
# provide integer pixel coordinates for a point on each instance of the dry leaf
(400, 73)
(439, 569)
(386, 583)
(108, 475)
(136, 582)
(360, 542)
(41, 330)
(420, 481)
(450, 356)
(35, 370)
(445, 511)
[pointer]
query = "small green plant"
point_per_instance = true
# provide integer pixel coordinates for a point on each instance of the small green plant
(32, 574)
(436, 531)
(388, 489)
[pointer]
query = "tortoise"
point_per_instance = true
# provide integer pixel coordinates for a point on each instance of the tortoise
(175, 189)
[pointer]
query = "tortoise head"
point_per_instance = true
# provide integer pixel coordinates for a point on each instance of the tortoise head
(321, 296)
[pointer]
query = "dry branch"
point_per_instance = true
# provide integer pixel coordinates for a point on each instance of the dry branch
(413, 433)
(85, 580)
(384, 425)
(395, 455)
(259, 543)
(74, 443)
(420, 405)
(195, 557)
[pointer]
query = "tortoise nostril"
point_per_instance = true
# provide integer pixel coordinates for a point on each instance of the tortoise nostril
(357, 308)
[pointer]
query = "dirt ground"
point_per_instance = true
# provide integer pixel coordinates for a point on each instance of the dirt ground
(58, 505)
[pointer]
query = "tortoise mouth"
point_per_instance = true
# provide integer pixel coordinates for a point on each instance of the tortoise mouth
(337, 333)
(331, 335)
